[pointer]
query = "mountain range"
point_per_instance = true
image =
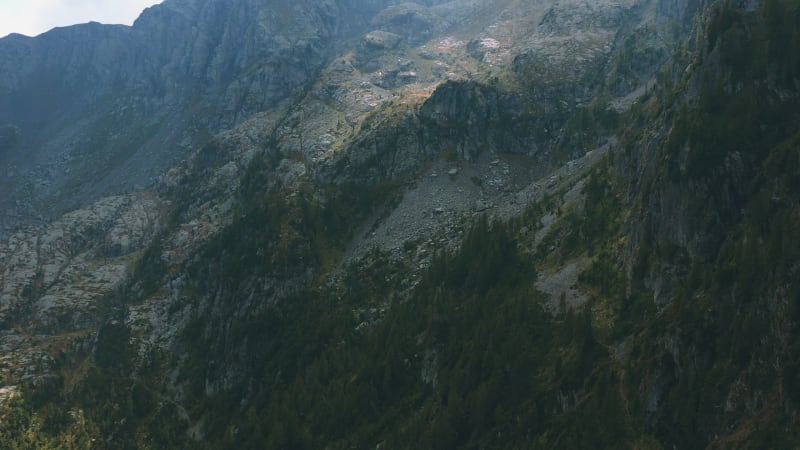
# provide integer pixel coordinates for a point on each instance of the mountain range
(377, 224)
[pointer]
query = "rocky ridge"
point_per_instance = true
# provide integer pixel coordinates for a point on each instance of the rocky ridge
(119, 105)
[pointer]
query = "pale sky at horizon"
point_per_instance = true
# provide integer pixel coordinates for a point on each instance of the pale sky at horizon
(33, 17)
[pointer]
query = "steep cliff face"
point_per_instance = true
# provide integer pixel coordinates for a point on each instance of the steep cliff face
(713, 177)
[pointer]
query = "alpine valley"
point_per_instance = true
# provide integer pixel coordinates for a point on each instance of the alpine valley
(352, 224)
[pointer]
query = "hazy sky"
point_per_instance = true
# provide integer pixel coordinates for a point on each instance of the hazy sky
(32, 17)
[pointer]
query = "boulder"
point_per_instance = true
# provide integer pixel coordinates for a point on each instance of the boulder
(382, 40)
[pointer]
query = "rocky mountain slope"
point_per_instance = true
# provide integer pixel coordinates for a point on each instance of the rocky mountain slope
(92, 109)
(466, 224)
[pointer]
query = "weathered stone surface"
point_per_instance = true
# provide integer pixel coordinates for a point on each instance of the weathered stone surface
(61, 270)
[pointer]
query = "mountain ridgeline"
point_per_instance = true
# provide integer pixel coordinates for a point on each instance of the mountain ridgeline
(92, 109)
(453, 225)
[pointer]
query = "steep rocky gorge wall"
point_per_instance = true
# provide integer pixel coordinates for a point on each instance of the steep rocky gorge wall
(717, 95)
(710, 168)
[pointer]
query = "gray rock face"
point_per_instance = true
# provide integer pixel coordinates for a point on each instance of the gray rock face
(462, 120)
(51, 279)
(472, 118)
(91, 110)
